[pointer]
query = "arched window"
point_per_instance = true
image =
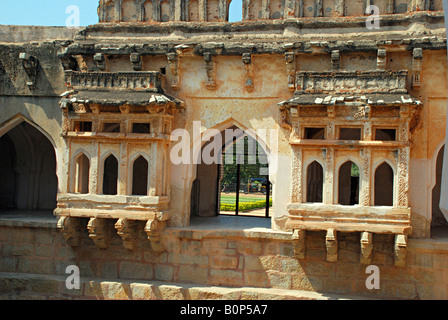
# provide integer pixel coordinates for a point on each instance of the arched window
(212, 10)
(235, 11)
(438, 220)
(129, 11)
(384, 185)
(348, 185)
(165, 11)
(140, 177)
(110, 176)
(193, 10)
(82, 170)
(28, 178)
(275, 9)
(149, 9)
(314, 182)
(110, 11)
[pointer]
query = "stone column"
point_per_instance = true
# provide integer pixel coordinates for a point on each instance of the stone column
(328, 191)
(94, 163)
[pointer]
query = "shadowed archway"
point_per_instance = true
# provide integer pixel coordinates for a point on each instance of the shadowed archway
(28, 170)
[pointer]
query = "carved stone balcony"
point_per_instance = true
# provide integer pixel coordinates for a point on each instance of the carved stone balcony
(105, 81)
(351, 82)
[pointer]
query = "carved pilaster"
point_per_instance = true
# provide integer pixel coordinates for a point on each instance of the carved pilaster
(403, 177)
(99, 232)
(329, 178)
(297, 192)
(247, 61)
(298, 242)
(126, 229)
(210, 70)
(366, 247)
(154, 229)
(71, 230)
(173, 63)
(290, 59)
(331, 242)
(400, 249)
(366, 155)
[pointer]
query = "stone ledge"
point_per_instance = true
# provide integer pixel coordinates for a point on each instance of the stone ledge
(31, 286)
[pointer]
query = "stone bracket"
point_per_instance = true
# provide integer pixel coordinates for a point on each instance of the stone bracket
(381, 61)
(298, 242)
(335, 60)
(247, 61)
(31, 66)
(173, 62)
(100, 61)
(417, 56)
(366, 248)
(136, 60)
(127, 231)
(400, 249)
(70, 229)
(210, 70)
(290, 59)
(99, 232)
(153, 229)
(331, 242)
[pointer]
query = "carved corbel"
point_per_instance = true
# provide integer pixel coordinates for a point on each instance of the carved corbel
(136, 60)
(417, 56)
(335, 60)
(290, 59)
(298, 242)
(173, 63)
(126, 229)
(100, 61)
(153, 229)
(99, 232)
(331, 242)
(31, 66)
(381, 59)
(400, 249)
(247, 61)
(210, 70)
(70, 230)
(366, 247)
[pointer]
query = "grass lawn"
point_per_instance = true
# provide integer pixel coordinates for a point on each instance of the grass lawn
(232, 199)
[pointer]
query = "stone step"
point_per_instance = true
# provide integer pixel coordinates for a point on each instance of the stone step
(15, 286)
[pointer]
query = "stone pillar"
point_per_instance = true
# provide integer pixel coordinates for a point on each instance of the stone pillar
(297, 164)
(94, 163)
(328, 192)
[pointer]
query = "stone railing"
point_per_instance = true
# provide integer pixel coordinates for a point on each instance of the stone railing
(351, 82)
(148, 81)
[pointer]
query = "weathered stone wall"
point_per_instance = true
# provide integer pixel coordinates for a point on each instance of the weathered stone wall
(252, 258)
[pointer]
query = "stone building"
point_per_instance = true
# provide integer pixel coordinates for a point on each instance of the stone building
(353, 110)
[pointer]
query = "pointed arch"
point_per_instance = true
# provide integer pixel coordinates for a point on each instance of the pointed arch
(348, 183)
(139, 175)
(109, 174)
(80, 173)
(30, 168)
(437, 217)
(384, 185)
(314, 182)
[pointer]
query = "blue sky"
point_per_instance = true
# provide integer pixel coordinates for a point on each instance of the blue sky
(53, 12)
